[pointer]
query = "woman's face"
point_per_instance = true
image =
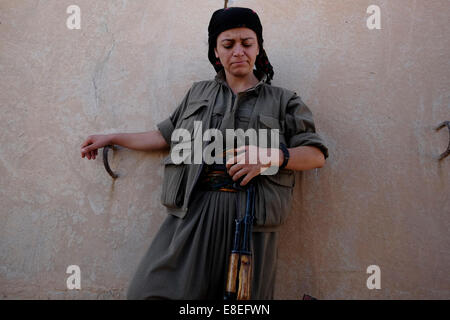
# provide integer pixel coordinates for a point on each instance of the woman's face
(237, 50)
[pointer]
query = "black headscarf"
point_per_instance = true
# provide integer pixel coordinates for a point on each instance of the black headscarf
(237, 17)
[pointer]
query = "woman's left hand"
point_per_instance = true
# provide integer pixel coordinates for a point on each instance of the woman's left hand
(251, 161)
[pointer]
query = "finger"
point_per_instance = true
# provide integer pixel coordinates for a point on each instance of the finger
(235, 168)
(246, 180)
(252, 155)
(239, 174)
(241, 148)
(229, 151)
(90, 148)
(263, 154)
(248, 157)
(250, 175)
(229, 155)
(86, 142)
(241, 158)
(230, 162)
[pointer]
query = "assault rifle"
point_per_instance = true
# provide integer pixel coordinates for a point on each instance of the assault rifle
(238, 286)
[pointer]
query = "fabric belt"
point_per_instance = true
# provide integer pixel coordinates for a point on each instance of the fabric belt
(216, 178)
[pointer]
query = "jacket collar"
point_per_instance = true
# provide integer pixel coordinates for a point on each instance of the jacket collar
(221, 78)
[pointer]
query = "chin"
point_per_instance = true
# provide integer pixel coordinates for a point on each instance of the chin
(240, 71)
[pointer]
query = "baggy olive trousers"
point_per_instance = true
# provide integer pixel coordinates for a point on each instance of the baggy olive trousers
(188, 258)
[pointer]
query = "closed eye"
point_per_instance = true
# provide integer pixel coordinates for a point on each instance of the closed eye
(245, 45)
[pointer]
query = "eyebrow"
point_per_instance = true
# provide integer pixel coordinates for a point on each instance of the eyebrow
(241, 39)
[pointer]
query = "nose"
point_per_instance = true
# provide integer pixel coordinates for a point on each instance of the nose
(238, 50)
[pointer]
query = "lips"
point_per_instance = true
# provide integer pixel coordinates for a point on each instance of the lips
(240, 62)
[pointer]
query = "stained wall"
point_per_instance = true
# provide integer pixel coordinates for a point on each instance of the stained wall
(381, 199)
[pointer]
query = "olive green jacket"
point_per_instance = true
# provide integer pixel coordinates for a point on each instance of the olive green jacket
(274, 108)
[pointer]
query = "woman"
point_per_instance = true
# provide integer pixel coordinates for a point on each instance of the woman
(189, 256)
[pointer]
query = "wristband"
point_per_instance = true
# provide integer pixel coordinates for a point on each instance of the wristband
(286, 155)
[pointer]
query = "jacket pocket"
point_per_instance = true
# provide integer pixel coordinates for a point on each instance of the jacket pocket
(284, 178)
(275, 203)
(269, 122)
(193, 107)
(173, 188)
(193, 112)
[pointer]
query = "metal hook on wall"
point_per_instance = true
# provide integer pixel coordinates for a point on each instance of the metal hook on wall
(440, 126)
(227, 2)
(105, 160)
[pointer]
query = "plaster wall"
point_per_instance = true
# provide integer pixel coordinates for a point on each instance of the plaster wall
(381, 199)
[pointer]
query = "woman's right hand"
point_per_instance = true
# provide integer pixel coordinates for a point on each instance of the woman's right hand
(93, 143)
